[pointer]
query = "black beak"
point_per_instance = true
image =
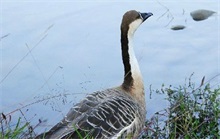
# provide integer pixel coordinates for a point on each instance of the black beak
(145, 16)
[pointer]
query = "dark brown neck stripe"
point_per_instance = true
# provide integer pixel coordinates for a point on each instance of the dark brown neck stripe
(128, 80)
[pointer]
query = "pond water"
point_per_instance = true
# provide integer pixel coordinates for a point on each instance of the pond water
(65, 50)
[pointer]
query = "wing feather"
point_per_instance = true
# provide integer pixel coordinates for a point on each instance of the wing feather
(97, 116)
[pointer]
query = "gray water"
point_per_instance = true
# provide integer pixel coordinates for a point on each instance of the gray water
(73, 48)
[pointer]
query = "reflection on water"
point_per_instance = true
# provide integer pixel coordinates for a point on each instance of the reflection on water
(71, 49)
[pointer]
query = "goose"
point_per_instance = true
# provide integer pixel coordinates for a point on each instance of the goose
(117, 112)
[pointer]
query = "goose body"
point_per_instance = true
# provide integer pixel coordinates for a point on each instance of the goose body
(117, 112)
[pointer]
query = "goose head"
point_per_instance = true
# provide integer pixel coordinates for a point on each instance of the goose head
(132, 20)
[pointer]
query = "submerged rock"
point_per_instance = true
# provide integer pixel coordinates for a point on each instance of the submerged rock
(199, 15)
(178, 27)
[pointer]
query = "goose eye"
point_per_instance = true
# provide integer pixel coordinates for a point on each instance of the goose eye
(139, 16)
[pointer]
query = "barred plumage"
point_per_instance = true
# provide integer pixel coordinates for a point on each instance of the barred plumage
(113, 113)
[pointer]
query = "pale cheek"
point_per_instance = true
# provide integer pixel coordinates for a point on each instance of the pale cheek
(133, 26)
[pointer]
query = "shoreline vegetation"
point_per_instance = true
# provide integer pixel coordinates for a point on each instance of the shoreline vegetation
(193, 112)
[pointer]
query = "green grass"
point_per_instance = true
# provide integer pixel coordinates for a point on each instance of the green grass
(192, 113)
(83, 134)
(13, 133)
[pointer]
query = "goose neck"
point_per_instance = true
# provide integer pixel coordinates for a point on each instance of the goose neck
(132, 74)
